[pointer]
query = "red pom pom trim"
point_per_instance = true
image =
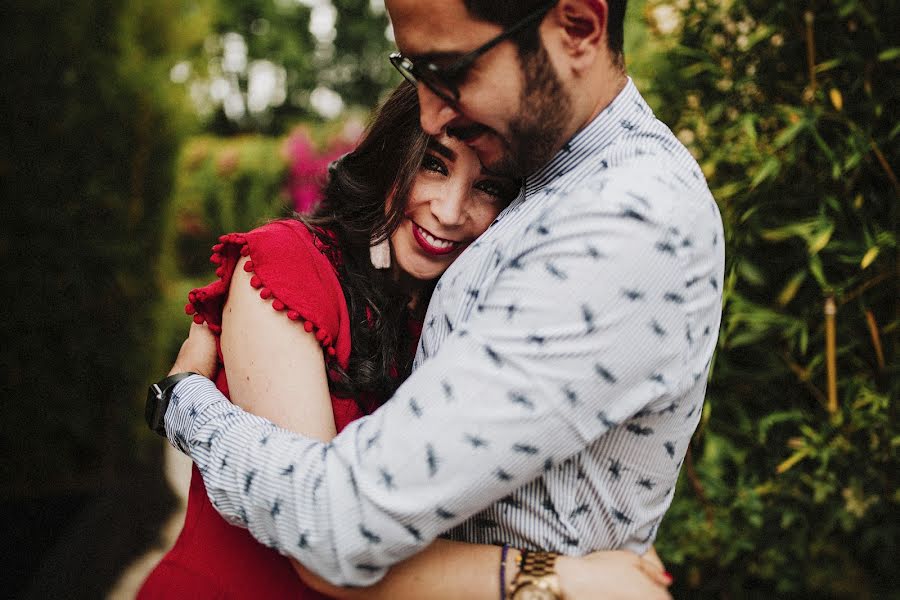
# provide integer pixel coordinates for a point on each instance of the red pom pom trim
(198, 296)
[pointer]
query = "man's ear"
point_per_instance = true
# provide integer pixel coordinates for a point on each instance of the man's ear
(581, 26)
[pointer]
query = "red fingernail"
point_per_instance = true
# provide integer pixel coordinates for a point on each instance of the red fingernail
(669, 576)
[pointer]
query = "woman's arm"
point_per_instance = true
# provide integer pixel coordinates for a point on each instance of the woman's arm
(267, 360)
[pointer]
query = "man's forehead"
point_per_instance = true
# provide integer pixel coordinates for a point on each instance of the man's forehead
(428, 28)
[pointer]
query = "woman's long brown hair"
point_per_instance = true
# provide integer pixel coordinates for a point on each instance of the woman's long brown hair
(352, 216)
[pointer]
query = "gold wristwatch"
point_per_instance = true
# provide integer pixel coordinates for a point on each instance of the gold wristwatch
(537, 578)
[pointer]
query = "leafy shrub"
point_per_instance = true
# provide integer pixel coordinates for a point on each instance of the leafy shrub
(91, 128)
(791, 110)
(222, 185)
(236, 184)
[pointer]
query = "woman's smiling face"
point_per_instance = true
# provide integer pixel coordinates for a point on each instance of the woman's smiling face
(453, 200)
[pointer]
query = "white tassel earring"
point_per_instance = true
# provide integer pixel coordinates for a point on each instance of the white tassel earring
(380, 254)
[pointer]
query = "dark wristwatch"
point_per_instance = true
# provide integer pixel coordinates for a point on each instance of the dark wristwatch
(158, 396)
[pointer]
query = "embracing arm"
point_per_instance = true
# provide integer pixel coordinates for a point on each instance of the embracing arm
(277, 371)
(575, 360)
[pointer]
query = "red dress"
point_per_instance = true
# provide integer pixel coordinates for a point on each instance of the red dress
(212, 559)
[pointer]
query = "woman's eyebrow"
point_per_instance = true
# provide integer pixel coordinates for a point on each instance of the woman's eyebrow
(441, 149)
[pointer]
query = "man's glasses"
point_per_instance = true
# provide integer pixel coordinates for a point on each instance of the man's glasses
(445, 81)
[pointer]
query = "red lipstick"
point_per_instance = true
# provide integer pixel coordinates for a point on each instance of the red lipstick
(420, 233)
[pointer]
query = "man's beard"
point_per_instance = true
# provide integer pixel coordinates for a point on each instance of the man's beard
(535, 134)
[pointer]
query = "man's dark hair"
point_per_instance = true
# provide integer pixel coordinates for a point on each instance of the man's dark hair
(506, 13)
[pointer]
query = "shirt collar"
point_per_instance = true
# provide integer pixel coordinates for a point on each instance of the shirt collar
(613, 121)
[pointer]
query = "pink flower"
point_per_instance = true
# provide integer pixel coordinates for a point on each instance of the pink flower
(308, 168)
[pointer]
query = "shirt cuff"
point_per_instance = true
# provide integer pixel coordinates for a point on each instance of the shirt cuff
(194, 400)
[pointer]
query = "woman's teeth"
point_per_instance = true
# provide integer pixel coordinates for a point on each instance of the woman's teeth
(436, 242)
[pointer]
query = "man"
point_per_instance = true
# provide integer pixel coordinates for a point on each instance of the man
(562, 367)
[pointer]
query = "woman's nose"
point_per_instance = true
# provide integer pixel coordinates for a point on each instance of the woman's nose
(449, 205)
(434, 112)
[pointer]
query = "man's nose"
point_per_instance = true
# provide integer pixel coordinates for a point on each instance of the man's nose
(434, 112)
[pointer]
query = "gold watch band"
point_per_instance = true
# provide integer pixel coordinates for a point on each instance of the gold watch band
(538, 564)
(536, 577)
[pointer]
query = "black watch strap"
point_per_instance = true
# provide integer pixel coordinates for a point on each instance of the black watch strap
(158, 396)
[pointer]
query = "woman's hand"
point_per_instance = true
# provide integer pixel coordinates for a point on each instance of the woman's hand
(612, 575)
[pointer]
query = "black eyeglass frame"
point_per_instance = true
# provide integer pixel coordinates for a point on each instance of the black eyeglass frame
(436, 77)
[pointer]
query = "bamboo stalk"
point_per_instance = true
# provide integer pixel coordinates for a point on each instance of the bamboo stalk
(803, 377)
(876, 338)
(885, 166)
(810, 18)
(691, 473)
(831, 353)
(866, 285)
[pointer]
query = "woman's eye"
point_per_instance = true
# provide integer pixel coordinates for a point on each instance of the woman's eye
(432, 163)
(495, 189)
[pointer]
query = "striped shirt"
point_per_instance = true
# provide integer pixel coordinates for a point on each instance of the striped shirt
(559, 377)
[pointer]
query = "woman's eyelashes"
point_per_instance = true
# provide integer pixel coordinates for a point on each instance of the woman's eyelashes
(431, 162)
(495, 188)
(498, 189)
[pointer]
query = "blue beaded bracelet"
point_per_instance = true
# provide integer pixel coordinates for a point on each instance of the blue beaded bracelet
(503, 553)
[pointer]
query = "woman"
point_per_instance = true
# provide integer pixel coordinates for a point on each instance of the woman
(290, 298)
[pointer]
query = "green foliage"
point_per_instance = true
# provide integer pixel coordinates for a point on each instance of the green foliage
(791, 110)
(90, 133)
(349, 59)
(222, 185)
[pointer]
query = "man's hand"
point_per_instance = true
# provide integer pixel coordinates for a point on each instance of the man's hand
(198, 353)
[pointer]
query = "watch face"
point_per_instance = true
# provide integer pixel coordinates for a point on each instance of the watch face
(533, 592)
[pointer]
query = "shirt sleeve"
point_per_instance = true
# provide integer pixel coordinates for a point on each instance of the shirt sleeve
(561, 347)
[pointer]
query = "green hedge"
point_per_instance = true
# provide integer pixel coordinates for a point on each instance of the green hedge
(91, 127)
(222, 185)
(791, 109)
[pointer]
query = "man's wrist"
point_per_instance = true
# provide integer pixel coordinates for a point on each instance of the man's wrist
(177, 368)
(193, 401)
(158, 397)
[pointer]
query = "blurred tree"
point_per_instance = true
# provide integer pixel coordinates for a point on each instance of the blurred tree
(270, 63)
(90, 129)
(90, 125)
(792, 109)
